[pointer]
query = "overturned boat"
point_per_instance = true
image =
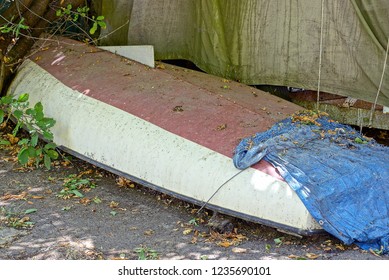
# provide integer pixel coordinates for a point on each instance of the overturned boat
(167, 128)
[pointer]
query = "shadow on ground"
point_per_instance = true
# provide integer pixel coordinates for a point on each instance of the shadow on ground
(119, 220)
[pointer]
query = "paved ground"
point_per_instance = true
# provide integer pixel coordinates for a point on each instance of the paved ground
(119, 220)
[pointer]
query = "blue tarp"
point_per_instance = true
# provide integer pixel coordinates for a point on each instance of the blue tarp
(341, 177)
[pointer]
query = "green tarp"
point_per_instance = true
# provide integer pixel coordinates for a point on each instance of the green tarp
(274, 42)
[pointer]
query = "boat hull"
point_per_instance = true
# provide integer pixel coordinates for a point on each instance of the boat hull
(157, 154)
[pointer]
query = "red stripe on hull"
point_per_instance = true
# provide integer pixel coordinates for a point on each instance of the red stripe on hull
(205, 109)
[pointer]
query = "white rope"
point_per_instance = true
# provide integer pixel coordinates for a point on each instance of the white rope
(320, 54)
(379, 86)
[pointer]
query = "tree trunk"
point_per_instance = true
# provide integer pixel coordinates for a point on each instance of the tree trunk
(37, 16)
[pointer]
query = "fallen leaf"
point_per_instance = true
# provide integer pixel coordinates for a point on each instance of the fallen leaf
(178, 109)
(37, 197)
(312, 256)
(29, 211)
(221, 127)
(123, 182)
(85, 201)
(113, 204)
(12, 139)
(86, 172)
(340, 247)
(224, 244)
(187, 231)
(294, 257)
(160, 66)
(65, 163)
(278, 241)
(20, 196)
(239, 250)
(148, 232)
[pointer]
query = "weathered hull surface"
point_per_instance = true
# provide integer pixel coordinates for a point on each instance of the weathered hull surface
(167, 128)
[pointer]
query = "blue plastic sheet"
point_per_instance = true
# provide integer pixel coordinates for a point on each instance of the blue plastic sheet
(341, 177)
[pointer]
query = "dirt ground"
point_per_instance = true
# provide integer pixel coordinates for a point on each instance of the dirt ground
(116, 219)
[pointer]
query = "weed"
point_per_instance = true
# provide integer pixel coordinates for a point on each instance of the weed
(145, 253)
(14, 28)
(73, 185)
(194, 221)
(14, 219)
(69, 15)
(35, 123)
(279, 241)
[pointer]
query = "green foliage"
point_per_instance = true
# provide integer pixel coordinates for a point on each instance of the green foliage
(145, 253)
(14, 28)
(360, 141)
(69, 15)
(194, 221)
(73, 185)
(97, 22)
(16, 219)
(35, 123)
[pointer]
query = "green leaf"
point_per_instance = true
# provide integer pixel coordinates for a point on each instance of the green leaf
(47, 161)
(24, 141)
(113, 213)
(102, 24)
(1, 116)
(6, 100)
(58, 13)
(16, 129)
(23, 156)
(31, 152)
(34, 140)
(44, 123)
(100, 18)
(23, 97)
(18, 114)
(29, 211)
(278, 241)
(52, 154)
(38, 152)
(38, 107)
(77, 193)
(93, 29)
(39, 116)
(48, 135)
(360, 141)
(49, 146)
(4, 142)
(30, 112)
